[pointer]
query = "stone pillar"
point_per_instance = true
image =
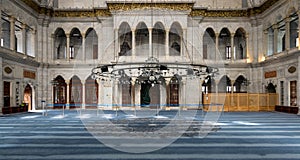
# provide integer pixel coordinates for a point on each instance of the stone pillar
(232, 83)
(265, 42)
(133, 43)
(150, 42)
(249, 58)
(275, 28)
(54, 54)
(33, 42)
(117, 48)
(24, 39)
(232, 46)
(68, 93)
(0, 28)
(287, 33)
(217, 45)
(12, 33)
(99, 93)
(183, 42)
(83, 94)
(298, 31)
(83, 46)
(167, 42)
(68, 46)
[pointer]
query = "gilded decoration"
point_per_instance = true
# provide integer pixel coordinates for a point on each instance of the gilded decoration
(134, 6)
(86, 13)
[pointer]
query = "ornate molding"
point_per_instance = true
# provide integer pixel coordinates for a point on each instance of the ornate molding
(116, 6)
(218, 13)
(134, 6)
(82, 13)
(234, 13)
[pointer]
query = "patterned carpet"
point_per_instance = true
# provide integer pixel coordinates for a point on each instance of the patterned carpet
(80, 135)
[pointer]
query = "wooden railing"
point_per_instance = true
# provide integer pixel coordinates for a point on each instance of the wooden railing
(252, 102)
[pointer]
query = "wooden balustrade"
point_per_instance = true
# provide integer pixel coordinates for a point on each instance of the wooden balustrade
(248, 102)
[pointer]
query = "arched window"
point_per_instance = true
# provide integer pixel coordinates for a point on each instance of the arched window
(60, 44)
(75, 44)
(240, 85)
(270, 41)
(142, 39)
(158, 40)
(224, 85)
(294, 23)
(175, 39)
(209, 44)
(225, 44)
(208, 86)
(91, 44)
(281, 35)
(240, 45)
(125, 39)
(5, 32)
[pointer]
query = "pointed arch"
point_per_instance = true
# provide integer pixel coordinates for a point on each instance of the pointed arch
(175, 39)
(91, 44)
(75, 92)
(225, 43)
(240, 44)
(91, 92)
(59, 92)
(224, 85)
(159, 39)
(125, 39)
(75, 44)
(209, 44)
(240, 84)
(142, 39)
(60, 44)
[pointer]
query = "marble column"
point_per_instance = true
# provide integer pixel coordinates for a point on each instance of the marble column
(217, 45)
(83, 46)
(287, 33)
(54, 54)
(232, 46)
(117, 48)
(133, 42)
(83, 94)
(12, 33)
(68, 46)
(150, 42)
(183, 42)
(275, 28)
(249, 58)
(24, 39)
(99, 83)
(265, 43)
(167, 42)
(68, 93)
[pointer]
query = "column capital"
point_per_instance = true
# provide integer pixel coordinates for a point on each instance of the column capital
(83, 35)
(287, 19)
(275, 26)
(82, 82)
(150, 28)
(167, 29)
(217, 34)
(12, 19)
(247, 35)
(232, 35)
(67, 82)
(23, 25)
(133, 29)
(67, 35)
(266, 31)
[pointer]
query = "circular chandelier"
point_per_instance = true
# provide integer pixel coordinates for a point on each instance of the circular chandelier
(151, 71)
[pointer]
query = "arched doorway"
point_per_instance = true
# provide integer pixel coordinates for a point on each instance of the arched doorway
(75, 92)
(28, 97)
(174, 91)
(59, 92)
(91, 92)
